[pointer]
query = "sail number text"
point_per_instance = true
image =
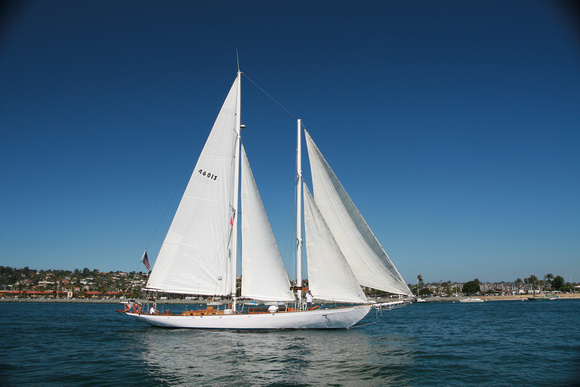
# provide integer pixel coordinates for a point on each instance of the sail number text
(210, 176)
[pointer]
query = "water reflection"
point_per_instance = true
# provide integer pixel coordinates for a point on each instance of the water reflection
(273, 357)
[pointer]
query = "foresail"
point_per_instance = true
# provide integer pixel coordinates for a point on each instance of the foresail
(195, 256)
(368, 260)
(329, 275)
(264, 276)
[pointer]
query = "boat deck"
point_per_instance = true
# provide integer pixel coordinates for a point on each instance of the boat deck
(211, 311)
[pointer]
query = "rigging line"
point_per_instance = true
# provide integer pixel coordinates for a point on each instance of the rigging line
(292, 260)
(167, 207)
(272, 98)
(136, 271)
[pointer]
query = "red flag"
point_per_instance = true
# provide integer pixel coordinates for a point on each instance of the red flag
(145, 260)
(232, 222)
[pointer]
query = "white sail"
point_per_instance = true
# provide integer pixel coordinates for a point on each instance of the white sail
(264, 276)
(195, 256)
(366, 257)
(329, 275)
(198, 255)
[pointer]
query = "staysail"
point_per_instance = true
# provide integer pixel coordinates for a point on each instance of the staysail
(329, 275)
(366, 257)
(195, 255)
(264, 276)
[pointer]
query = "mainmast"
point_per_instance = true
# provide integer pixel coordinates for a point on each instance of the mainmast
(299, 212)
(236, 194)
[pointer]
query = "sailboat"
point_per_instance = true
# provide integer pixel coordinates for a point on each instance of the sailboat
(199, 253)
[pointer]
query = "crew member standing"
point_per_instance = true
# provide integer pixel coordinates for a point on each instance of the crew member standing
(308, 300)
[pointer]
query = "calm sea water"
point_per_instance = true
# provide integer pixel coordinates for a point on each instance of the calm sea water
(493, 343)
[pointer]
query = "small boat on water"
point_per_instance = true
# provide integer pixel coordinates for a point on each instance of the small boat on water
(537, 299)
(199, 254)
(471, 299)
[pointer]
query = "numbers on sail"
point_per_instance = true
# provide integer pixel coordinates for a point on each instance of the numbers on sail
(210, 176)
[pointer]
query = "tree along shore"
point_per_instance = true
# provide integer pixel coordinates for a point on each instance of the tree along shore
(109, 287)
(519, 297)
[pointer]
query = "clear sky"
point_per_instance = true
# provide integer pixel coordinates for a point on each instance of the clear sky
(453, 125)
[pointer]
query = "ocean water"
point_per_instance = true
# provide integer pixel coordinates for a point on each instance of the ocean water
(492, 343)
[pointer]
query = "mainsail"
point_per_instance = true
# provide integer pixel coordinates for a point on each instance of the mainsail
(195, 256)
(264, 276)
(366, 257)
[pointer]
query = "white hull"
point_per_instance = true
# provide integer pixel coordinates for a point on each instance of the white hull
(335, 318)
(471, 300)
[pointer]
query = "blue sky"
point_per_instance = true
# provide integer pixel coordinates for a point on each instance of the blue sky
(453, 125)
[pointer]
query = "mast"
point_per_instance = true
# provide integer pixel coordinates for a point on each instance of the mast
(236, 193)
(299, 212)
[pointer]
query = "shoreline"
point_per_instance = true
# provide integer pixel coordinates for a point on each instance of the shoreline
(519, 297)
(94, 301)
(526, 296)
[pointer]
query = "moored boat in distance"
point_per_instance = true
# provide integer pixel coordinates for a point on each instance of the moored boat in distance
(538, 298)
(471, 299)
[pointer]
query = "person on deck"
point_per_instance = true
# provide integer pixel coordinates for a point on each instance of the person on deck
(308, 300)
(153, 310)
